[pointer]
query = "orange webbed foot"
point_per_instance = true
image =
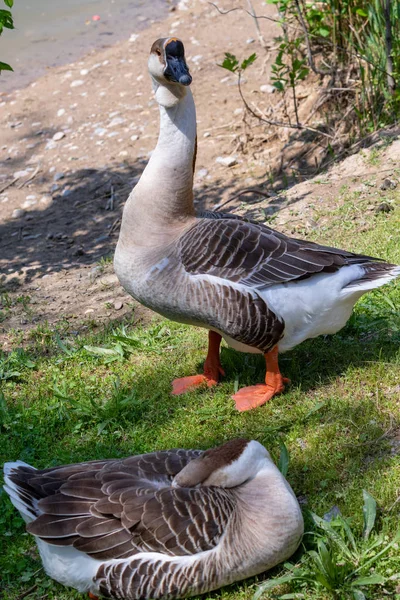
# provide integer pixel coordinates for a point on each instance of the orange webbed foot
(212, 369)
(92, 596)
(185, 384)
(255, 395)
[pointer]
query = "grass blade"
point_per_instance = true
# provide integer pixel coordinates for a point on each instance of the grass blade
(369, 513)
(272, 583)
(375, 579)
(283, 462)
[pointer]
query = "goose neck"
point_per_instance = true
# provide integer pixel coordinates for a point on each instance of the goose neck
(164, 194)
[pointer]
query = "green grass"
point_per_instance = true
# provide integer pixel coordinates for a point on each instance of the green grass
(338, 418)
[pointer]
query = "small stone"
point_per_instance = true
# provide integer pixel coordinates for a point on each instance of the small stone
(388, 184)
(58, 136)
(99, 131)
(46, 200)
(267, 89)
(58, 176)
(202, 173)
(61, 112)
(116, 121)
(54, 188)
(30, 201)
(118, 305)
(123, 153)
(66, 192)
(17, 213)
(206, 134)
(89, 311)
(226, 161)
(384, 207)
(84, 72)
(133, 37)
(250, 41)
(19, 174)
(51, 144)
(77, 83)
(134, 138)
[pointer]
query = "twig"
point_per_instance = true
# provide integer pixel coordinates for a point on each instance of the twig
(311, 35)
(260, 35)
(114, 226)
(279, 123)
(36, 171)
(9, 184)
(110, 201)
(394, 503)
(27, 592)
(308, 45)
(248, 191)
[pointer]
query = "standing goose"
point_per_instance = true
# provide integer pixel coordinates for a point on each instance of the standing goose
(257, 288)
(161, 525)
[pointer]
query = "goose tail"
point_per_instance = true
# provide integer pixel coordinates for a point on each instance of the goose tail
(374, 275)
(21, 494)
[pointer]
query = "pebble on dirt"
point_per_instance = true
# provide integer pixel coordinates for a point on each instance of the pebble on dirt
(226, 161)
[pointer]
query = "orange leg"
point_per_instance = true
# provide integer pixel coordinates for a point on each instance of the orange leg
(212, 369)
(92, 596)
(257, 395)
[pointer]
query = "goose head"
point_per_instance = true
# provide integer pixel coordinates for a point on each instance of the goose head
(229, 465)
(167, 63)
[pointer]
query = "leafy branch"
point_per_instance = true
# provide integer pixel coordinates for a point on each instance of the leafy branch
(6, 21)
(231, 63)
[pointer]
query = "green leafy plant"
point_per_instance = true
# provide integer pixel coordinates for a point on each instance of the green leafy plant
(11, 364)
(157, 340)
(231, 63)
(343, 40)
(6, 20)
(341, 562)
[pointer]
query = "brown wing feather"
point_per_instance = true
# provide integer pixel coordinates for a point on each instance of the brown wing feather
(127, 506)
(255, 255)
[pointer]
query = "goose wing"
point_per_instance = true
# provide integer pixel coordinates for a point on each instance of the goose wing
(107, 510)
(254, 255)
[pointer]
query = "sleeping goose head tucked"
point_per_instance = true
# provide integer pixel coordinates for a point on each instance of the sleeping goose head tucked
(167, 65)
(229, 465)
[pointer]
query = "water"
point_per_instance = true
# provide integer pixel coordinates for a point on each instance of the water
(54, 32)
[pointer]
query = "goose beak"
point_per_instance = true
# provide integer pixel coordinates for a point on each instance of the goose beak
(176, 69)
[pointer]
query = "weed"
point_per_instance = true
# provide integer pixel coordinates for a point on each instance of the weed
(344, 562)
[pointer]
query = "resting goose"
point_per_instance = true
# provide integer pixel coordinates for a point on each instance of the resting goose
(255, 287)
(161, 525)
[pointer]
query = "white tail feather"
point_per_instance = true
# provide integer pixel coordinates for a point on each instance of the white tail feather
(17, 495)
(365, 285)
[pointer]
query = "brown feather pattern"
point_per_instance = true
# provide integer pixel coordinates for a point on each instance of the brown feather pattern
(117, 508)
(255, 255)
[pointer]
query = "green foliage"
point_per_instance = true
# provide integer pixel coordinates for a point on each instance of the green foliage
(336, 416)
(11, 365)
(341, 562)
(346, 41)
(231, 63)
(283, 462)
(6, 20)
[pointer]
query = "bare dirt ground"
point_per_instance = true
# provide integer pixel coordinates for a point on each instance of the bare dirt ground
(74, 143)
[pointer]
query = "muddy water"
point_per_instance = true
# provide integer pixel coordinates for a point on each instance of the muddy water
(54, 32)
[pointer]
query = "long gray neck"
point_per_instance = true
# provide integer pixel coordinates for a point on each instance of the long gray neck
(163, 197)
